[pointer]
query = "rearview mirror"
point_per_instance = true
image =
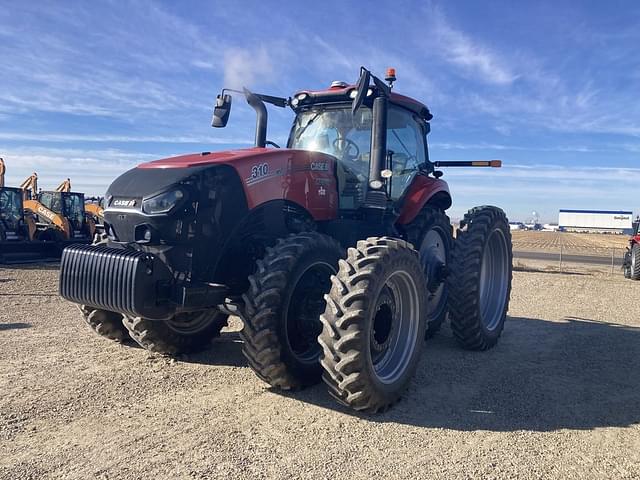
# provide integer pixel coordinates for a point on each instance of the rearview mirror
(363, 86)
(221, 111)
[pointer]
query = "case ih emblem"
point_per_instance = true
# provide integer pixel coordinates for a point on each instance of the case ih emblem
(124, 203)
(320, 166)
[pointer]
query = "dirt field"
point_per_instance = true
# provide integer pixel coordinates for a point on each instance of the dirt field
(530, 240)
(559, 397)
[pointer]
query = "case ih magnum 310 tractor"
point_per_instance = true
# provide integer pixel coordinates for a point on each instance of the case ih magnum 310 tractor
(336, 251)
(631, 264)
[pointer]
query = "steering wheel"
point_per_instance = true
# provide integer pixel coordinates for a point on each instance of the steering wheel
(346, 153)
(273, 144)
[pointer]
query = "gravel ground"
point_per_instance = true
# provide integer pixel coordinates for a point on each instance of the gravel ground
(559, 397)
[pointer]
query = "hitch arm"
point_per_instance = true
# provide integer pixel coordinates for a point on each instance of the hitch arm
(468, 163)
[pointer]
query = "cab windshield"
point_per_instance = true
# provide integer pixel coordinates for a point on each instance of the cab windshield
(74, 208)
(337, 132)
(347, 137)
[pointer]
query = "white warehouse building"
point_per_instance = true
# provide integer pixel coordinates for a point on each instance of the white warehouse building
(595, 220)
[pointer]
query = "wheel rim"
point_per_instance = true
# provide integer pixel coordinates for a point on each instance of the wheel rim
(302, 319)
(433, 256)
(189, 323)
(394, 327)
(494, 279)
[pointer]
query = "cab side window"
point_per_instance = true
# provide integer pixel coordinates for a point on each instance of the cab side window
(405, 138)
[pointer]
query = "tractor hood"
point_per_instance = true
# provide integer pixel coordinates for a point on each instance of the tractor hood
(210, 158)
(150, 178)
(261, 175)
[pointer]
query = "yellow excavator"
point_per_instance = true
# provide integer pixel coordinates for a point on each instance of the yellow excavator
(73, 207)
(61, 208)
(50, 225)
(14, 224)
(21, 239)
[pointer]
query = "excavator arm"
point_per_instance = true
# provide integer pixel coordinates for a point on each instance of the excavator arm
(64, 186)
(94, 210)
(49, 216)
(30, 186)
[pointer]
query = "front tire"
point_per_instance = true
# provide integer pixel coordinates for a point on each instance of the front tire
(374, 324)
(282, 309)
(480, 278)
(187, 332)
(103, 322)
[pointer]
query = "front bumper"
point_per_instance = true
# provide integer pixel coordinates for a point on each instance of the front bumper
(136, 284)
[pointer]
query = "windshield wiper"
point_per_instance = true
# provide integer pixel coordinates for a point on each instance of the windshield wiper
(301, 131)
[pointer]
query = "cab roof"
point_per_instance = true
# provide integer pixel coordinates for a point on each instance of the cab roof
(337, 94)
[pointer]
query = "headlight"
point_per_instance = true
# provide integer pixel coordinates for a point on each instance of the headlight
(162, 203)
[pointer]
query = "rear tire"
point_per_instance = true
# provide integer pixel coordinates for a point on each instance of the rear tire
(187, 332)
(480, 278)
(374, 324)
(431, 234)
(282, 309)
(635, 262)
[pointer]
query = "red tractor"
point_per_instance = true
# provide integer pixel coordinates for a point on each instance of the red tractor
(261, 233)
(631, 264)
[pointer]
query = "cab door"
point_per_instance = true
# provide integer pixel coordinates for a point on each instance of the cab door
(406, 146)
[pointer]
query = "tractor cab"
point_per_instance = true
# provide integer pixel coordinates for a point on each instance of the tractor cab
(326, 123)
(71, 206)
(11, 213)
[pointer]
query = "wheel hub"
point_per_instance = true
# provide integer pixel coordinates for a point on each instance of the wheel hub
(433, 255)
(383, 323)
(494, 279)
(189, 322)
(394, 327)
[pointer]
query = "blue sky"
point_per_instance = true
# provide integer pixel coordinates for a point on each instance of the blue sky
(89, 89)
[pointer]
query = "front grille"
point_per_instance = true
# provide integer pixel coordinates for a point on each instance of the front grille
(117, 280)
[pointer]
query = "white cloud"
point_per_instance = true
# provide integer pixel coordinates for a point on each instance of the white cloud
(242, 68)
(459, 49)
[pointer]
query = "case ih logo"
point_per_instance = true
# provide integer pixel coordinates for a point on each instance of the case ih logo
(124, 203)
(320, 166)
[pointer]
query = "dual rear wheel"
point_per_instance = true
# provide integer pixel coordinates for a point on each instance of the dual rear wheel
(382, 300)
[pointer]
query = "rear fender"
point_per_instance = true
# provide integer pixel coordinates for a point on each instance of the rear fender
(422, 191)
